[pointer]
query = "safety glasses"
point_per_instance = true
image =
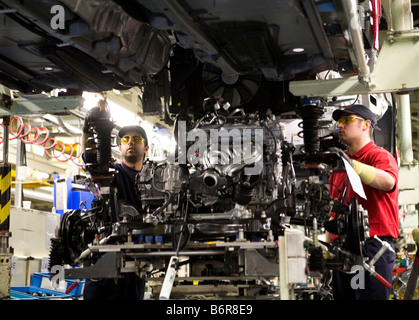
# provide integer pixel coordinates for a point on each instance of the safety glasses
(135, 139)
(348, 119)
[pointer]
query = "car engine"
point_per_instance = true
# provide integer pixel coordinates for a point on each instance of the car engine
(218, 206)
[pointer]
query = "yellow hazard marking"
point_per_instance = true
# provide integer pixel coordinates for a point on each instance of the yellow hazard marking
(4, 212)
(5, 185)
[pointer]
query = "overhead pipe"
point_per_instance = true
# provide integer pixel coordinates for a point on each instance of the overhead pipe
(401, 18)
(355, 30)
(401, 15)
(406, 152)
(67, 130)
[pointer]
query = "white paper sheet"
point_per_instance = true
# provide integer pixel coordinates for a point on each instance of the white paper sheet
(355, 180)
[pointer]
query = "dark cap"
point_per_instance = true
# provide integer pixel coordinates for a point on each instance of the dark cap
(357, 109)
(135, 128)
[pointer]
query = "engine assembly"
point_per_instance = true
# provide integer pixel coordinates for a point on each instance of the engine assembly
(217, 209)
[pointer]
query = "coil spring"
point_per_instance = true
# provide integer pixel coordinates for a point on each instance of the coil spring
(102, 140)
(310, 114)
(49, 144)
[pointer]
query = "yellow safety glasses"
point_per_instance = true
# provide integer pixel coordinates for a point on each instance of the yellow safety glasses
(348, 119)
(135, 139)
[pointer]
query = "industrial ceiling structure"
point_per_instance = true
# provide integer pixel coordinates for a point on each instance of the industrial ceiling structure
(243, 63)
(160, 58)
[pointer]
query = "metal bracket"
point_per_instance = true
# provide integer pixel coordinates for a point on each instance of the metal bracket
(257, 265)
(107, 267)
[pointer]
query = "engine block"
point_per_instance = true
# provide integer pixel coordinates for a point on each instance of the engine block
(226, 173)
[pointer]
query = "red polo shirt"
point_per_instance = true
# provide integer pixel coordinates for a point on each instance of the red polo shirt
(382, 206)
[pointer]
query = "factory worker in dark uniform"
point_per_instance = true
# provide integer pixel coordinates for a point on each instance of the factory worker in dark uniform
(133, 147)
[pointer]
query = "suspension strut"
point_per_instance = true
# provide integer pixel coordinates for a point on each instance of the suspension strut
(99, 168)
(310, 113)
(102, 128)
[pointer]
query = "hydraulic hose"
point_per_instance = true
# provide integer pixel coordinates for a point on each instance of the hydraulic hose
(40, 137)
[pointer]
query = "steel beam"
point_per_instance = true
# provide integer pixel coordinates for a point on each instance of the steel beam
(52, 105)
(396, 71)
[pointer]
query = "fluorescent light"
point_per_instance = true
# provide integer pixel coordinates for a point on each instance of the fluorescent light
(91, 99)
(297, 50)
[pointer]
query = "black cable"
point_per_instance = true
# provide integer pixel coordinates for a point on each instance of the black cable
(183, 226)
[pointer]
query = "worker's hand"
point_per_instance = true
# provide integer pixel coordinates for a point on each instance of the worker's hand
(342, 154)
(101, 111)
(366, 172)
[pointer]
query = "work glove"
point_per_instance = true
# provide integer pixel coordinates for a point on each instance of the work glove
(101, 111)
(366, 172)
